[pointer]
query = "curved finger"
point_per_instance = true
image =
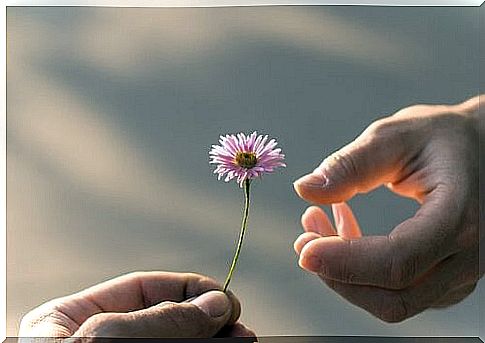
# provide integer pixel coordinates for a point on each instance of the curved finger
(455, 295)
(397, 305)
(135, 291)
(47, 321)
(347, 225)
(303, 239)
(396, 260)
(314, 219)
(202, 317)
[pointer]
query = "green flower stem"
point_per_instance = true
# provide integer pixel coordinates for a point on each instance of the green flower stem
(241, 234)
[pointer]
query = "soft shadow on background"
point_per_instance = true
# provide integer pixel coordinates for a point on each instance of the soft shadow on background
(111, 113)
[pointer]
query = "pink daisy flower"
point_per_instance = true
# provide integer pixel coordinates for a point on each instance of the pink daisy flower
(245, 157)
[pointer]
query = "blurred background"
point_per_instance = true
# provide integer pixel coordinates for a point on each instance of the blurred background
(112, 111)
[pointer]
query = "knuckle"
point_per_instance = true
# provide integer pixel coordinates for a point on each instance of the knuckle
(44, 313)
(191, 275)
(403, 270)
(414, 110)
(30, 321)
(344, 162)
(395, 309)
(380, 127)
(32, 318)
(201, 281)
(390, 131)
(136, 275)
(207, 282)
(197, 283)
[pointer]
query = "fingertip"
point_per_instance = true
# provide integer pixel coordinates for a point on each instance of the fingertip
(215, 304)
(308, 219)
(303, 239)
(310, 210)
(307, 185)
(314, 219)
(313, 255)
(204, 284)
(236, 307)
(308, 259)
(316, 188)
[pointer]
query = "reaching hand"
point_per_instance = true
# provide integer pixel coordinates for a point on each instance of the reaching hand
(424, 152)
(142, 304)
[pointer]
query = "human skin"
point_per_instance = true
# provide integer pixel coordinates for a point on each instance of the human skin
(429, 153)
(140, 304)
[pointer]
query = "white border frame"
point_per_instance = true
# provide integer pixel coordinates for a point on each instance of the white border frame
(141, 3)
(228, 3)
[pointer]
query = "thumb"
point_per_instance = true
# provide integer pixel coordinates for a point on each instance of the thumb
(372, 159)
(201, 317)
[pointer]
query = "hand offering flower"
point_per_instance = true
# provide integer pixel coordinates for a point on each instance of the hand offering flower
(244, 158)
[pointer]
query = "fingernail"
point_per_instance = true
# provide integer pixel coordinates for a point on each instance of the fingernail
(213, 303)
(315, 180)
(189, 299)
(303, 240)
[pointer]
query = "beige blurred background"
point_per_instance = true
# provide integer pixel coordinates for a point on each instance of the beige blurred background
(111, 113)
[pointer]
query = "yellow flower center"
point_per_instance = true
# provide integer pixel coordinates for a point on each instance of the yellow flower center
(246, 159)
